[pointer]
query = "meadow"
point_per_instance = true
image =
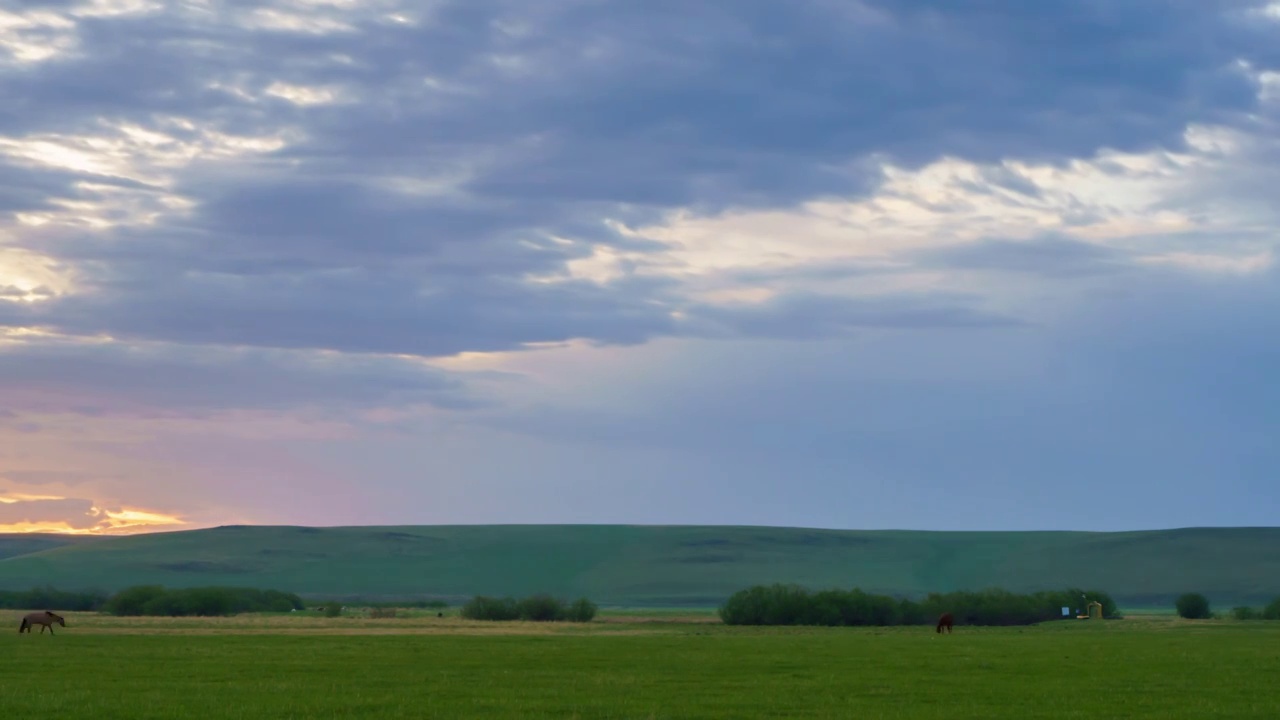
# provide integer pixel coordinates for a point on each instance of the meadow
(635, 664)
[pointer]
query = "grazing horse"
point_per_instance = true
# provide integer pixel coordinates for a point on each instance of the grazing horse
(946, 621)
(45, 619)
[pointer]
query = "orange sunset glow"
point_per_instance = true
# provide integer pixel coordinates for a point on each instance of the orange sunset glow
(97, 521)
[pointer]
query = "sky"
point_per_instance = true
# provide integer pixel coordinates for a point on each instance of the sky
(918, 264)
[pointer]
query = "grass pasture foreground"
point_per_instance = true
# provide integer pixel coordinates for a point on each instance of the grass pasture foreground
(626, 665)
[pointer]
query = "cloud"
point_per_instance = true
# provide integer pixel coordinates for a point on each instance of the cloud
(1143, 393)
(75, 515)
(1049, 256)
(391, 179)
(47, 477)
(58, 376)
(880, 234)
(802, 315)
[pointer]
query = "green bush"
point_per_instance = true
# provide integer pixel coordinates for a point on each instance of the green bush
(333, 610)
(540, 608)
(48, 598)
(382, 603)
(582, 610)
(1244, 612)
(132, 601)
(535, 608)
(1272, 610)
(793, 605)
(206, 601)
(1193, 606)
(487, 608)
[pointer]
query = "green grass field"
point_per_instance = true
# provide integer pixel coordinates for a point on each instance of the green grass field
(629, 666)
(660, 565)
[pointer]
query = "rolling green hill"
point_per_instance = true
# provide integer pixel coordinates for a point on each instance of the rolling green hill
(14, 544)
(663, 565)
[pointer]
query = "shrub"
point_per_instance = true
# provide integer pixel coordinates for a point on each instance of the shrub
(582, 610)
(48, 598)
(205, 601)
(540, 608)
(1272, 610)
(333, 610)
(132, 601)
(1244, 612)
(775, 604)
(278, 601)
(1193, 606)
(792, 605)
(383, 603)
(194, 601)
(536, 608)
(487, 608)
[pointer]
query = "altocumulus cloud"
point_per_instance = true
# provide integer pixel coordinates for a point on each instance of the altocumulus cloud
(208, 208)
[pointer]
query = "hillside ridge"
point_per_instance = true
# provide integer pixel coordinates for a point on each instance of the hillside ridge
(655, 564)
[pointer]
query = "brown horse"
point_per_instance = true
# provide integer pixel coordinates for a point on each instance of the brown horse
(45, 619)
(946, 621)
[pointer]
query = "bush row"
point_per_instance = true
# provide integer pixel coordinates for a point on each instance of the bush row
(1270, 612)
(156, 600)
(793, 605)
(322, 602)
(1195, 606)
(47, 598)
(543, 608)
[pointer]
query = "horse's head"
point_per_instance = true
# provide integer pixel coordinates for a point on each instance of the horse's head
(56, 618)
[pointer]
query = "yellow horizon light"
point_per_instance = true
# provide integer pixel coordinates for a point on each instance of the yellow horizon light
(125, 521)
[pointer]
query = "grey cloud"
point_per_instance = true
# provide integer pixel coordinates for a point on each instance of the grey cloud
(390, 312)
(809, 315)
(52, 477)
(1003, 177)
(597, 110)
(101, 379)
(828, 270)
(1145, 392)
(76, 513)
(1045, 256)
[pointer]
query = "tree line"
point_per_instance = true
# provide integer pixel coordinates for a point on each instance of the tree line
(206, 601)
(538, 608)
(154, 600)
(781, 604)
(48, 598)
(1195, 606)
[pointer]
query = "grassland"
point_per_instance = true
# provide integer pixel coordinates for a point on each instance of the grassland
(665, 565)
(635, 666)
(15, 544)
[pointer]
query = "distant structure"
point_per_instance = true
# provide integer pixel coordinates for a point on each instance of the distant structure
(1092, 611)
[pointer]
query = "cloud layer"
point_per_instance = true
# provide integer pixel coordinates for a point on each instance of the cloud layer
(489, 224)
